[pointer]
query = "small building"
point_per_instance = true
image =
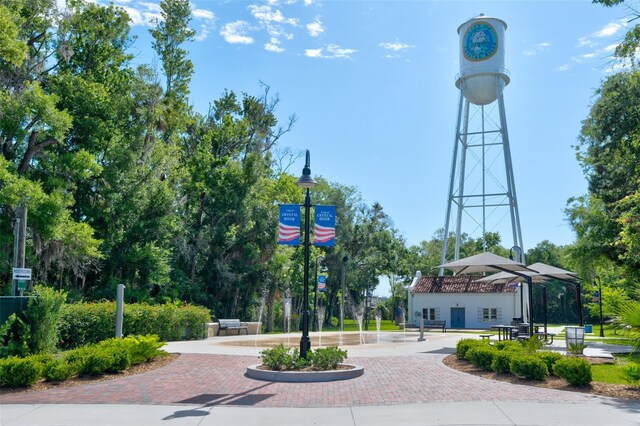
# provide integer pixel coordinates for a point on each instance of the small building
(462, 302)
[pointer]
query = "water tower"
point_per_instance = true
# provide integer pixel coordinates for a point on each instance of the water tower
(482, 191)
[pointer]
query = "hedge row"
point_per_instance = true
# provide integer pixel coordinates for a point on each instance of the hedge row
(108, 356)
(85, 323)
(524, 361)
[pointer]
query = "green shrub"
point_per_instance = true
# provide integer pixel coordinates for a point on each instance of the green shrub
(464, 345)
(576, 371)
(43, 315)
(528, 367)
(85, 323)
(576, 348)
(481, 356)
(327, 358)
(14, 337)
(501, 360)
(118, 350)
(144, 348)
(549, 358)
(508, 345)
(632, 373)
(19, 372)
(531, 345)
(95, 362)
(58, 370)
(280, 358)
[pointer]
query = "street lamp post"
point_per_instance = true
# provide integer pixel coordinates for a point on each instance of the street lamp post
(323, 268)
(306, 182)
(599, 284)
(345, 259)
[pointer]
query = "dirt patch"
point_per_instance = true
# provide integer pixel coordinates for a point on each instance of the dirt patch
(138, 369)
(552, 382)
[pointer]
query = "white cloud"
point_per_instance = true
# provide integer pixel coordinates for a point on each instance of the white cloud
(585, 42)
(235, 32)
(611, 48)
(395, 46)
(308, 2)
(610, 29)
(585, 57)
(274, 22)
(563, 68)
(204, 34)
(539, 47)
(315, 28)
(313, 53)
(333, 51)
(207, 19)
(203, 14)
(154, 7)
(273, 47)
(142, 13)
(134, 16)
(267, 14)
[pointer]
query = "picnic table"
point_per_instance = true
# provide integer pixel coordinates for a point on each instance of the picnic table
(504, 331)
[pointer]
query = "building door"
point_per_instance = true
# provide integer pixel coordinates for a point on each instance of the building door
(457, 317)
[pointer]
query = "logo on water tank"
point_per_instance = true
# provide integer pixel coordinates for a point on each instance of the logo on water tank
(480, 42)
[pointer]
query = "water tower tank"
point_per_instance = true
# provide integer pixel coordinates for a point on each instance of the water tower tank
(482, 72)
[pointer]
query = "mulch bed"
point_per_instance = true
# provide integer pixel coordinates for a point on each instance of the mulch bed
(552, 382)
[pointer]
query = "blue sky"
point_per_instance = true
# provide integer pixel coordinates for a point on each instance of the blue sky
(372, 84)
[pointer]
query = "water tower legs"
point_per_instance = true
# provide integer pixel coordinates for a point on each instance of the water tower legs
(475, 188)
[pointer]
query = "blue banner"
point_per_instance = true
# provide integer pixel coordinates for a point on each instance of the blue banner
(322, 282)
(324, 229)
(289, 225)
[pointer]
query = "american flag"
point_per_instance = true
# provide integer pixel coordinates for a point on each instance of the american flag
(287, 233)
(323, 234)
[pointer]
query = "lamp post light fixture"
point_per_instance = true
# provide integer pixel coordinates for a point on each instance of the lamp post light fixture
(320, 267)
(596, 281)
(306, 182)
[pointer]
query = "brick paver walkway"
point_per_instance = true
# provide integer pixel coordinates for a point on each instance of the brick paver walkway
(219, 380)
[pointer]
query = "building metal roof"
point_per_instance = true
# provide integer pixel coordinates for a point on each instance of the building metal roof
(459, 284)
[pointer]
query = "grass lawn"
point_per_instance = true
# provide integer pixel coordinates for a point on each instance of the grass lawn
(613, 373)
(352, 325)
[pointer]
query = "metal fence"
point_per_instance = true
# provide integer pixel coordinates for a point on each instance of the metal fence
(12, 305)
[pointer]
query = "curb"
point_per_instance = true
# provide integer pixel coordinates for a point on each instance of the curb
(304, 376)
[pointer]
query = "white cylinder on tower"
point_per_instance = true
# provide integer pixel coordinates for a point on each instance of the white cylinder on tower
(482, 72)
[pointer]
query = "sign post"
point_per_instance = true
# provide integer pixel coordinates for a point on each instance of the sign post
(21, 276)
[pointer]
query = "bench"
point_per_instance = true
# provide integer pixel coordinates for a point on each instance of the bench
(546, 337)
(486, 336)
(231, 324)
(441, 324)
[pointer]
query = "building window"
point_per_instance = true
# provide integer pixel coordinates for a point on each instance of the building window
(489, 314)
(429, 314)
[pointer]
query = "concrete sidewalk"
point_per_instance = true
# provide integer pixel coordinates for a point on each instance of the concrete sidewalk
(405, 383)
(467, 413)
